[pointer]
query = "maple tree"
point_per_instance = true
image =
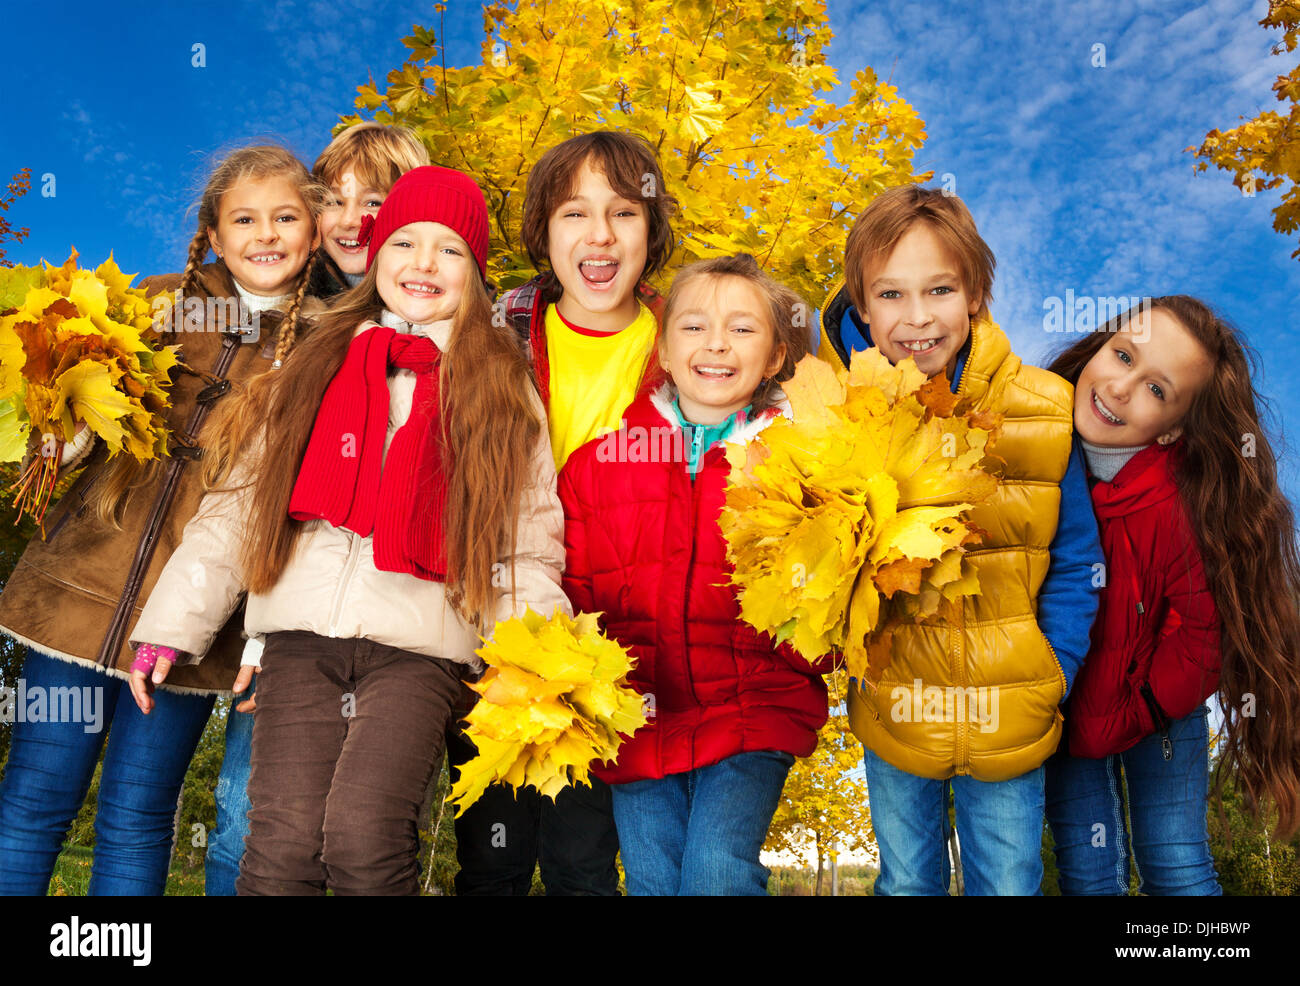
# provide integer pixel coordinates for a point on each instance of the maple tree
(732, 93)
(1264, 152)
(823, 808)
(18, 187)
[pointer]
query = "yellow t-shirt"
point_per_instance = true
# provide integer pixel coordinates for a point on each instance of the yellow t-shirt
(593, 378)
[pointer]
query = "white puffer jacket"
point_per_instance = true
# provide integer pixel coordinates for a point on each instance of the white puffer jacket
(331, 586)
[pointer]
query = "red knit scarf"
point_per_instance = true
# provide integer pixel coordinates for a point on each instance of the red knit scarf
(344, 477)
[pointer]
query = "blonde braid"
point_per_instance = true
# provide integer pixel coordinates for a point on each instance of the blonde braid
(289, 324)
(198, 252)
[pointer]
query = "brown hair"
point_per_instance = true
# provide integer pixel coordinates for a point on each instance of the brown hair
(491, 422)
(124, 474)
(892, 213)
(1246, 535)
(628, 163)
(375, 154)
(789, 314)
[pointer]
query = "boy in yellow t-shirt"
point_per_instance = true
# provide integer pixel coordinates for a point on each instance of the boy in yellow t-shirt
(597, 224)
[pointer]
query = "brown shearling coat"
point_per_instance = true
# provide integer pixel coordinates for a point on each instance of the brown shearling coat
(66, 596)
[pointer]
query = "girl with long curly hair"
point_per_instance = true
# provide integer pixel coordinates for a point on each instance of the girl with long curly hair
(1200, 598)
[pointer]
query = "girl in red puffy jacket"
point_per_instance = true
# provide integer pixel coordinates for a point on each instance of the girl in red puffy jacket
(694, 790)
(1200, 591)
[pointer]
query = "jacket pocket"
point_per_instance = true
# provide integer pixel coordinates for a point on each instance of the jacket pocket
(76, 500)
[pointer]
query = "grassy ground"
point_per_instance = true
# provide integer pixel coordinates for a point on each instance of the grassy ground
(72, 873)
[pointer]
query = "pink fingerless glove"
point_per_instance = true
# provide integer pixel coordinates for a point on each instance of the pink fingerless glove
(146, 656)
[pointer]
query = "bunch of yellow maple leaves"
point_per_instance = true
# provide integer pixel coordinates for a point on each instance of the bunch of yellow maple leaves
(554, 699)
(72, 349)
(852, 515)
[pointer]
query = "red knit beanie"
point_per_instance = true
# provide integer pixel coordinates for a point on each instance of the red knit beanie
(436, 195)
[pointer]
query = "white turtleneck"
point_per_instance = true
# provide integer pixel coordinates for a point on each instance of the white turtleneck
(1104, 462)
(256, 303)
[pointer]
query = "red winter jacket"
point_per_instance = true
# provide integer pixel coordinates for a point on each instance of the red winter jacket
(643, 546)
(1155, 644)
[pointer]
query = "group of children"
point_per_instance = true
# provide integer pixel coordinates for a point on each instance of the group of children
(396, 460)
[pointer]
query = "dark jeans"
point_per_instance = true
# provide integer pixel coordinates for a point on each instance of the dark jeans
(50, 767)
(1166, 831)
(345, 740)
(501, 837)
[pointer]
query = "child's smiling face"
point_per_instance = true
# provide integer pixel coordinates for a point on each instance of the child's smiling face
(1139, 386)
(340, 222)
(264, 233)
(718, 347)
(917, 303)
(422, 270)
(597, 242)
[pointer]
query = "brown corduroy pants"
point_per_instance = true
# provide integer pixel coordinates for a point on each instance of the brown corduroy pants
(346, 736)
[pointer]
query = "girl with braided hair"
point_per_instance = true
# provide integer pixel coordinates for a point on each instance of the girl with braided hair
(73, 596)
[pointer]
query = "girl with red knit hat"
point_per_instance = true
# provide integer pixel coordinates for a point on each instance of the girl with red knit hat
(385, 497)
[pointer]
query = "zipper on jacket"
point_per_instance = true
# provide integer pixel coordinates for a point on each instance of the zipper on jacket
(1158, 717)
(1059, 666)
(697, 435)
(1157, 714)
(961, 752)
(686, 591)
(117, 628)
(354, 552)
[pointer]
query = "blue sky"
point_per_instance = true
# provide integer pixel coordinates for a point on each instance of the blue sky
(1075, 173)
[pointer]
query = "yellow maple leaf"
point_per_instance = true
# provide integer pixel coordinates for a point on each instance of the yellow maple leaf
(71, 347)
(851, 514)
(553, 700)
(86, 391)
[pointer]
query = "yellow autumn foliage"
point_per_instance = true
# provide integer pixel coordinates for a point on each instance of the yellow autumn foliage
(1264, 152)
(850, 516)
(74, 347)
(766, 150)
(824, 806)
(553, 700)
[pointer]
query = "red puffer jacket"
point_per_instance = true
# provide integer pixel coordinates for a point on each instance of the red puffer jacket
(643, 547)
(1155, 644)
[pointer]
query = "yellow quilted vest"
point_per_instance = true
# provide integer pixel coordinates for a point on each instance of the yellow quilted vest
(978, 693)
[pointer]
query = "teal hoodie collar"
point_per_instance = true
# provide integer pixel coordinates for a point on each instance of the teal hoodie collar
(701, 438)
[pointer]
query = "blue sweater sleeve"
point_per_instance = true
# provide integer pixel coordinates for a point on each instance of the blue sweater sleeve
(1068, 599)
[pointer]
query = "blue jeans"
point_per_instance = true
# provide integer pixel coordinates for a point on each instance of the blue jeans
(49, 771)
(999, 824)
(1166, 800)
(700, 833)
(226, 846)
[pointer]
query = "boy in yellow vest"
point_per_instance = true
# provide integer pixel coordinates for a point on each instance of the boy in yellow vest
(970, 704)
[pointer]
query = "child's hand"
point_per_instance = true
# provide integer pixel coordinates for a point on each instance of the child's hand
(242, 681)
(249, 665)
(150, 667)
